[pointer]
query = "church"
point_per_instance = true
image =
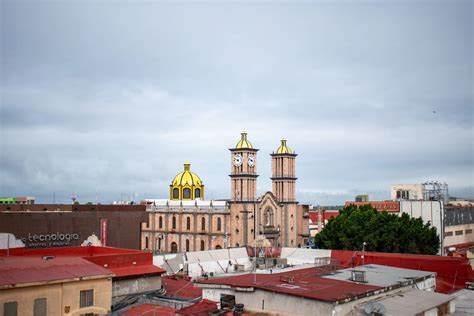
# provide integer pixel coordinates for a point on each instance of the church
(188, 222)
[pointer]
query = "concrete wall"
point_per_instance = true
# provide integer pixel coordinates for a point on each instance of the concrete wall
(415, 191)
(298, 256)
(59, 296)
(121, 288)
(431, 211)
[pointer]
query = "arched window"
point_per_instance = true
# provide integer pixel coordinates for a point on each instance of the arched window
(173, 225)
(237, 245)
(197, 193)
(203, 223)
(186, 193)
(188, 223)
(219, 224)
(218, 247)
(203, 245)
(146, 243)
(187, 245)
(268, 217)
(174, 247)
(175, 193)
(160, 222)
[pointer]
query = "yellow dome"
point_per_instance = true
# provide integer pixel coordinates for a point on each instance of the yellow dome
(186, 185)
(243, 142)
(283, 149)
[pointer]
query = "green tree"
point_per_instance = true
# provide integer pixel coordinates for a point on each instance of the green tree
(381, 231)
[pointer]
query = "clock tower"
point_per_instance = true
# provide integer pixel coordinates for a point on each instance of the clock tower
(243, 171)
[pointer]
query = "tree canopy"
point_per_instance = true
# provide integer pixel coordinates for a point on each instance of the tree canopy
(381, 231)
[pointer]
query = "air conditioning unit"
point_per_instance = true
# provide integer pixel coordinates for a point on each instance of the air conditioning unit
(358, 276)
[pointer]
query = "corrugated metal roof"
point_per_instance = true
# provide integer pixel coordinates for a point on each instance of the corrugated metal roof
(20, 270)
(306, 283)
(180, 288)
(137, 270)
(203, 307)
(149, 309)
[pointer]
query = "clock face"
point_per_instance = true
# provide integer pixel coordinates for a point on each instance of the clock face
(238, 160)
(251, 161)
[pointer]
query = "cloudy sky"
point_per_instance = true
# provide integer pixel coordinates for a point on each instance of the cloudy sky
(108, 98)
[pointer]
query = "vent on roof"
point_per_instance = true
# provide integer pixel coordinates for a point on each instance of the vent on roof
(287, 279)
(46, 258)
(358, 276)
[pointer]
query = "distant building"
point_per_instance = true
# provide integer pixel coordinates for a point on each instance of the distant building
(63, 225)
(17, 200)
(187, 222)
(428, 191)
(362, 198)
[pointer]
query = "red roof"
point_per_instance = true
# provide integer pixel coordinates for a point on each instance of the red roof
(136, 271)
(21, 270)
(149, 309)
(201, 308)
(326, 215)
(180, 288)
(306, 283)
(123, 262)
(451, 273)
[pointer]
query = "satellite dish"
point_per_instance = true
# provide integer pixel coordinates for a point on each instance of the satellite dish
(375, 308)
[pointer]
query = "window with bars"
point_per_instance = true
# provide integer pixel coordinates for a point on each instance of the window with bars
(86, 298)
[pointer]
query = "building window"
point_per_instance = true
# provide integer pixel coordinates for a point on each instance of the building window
(174, 247)
(175, 193)
(10, 309)
(447, 234)
(186, 193)
(197, 193)
(237, 245)
(173, 224)
(146, 242)
(160, 222)
(219, 224)
(188, 223)
(458, 232)
(40, 307)
(203, 245)
(86, 298)
(403, 194)
(218, 247)
(468, 231)
(203, 223)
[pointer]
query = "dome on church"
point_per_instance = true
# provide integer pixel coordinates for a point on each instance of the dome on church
(283, 149)
(186, 185)
(243, 142)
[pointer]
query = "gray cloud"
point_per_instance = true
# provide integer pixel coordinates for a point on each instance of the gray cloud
(102, 98)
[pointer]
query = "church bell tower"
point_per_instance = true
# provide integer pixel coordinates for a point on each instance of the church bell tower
(283, 173)
(243, 171)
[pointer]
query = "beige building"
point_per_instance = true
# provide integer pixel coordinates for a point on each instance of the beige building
(53, 286)
(187, 222)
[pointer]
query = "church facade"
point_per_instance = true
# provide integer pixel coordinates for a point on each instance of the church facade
(187, 222)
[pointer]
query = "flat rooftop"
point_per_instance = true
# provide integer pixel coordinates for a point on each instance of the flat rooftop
(414, 302)
(380, 275)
